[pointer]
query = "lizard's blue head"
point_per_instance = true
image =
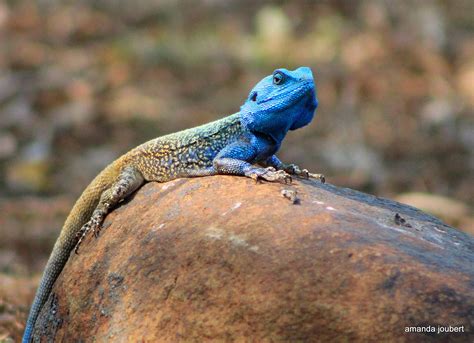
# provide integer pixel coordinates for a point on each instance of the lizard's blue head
(285, 100)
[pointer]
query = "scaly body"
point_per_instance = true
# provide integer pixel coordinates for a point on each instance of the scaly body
(283, 101)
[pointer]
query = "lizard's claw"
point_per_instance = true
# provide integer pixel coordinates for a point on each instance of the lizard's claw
(293, 169)
(321, 177)
(270, 174)
(304, 173)
(95, 227)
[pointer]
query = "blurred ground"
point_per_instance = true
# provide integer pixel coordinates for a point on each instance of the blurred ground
(82, 83)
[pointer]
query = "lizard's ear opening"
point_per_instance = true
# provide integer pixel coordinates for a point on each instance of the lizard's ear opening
(253, 96)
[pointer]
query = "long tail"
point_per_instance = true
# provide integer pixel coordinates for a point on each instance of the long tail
(79, 215)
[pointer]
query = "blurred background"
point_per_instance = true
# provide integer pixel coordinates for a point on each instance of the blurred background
(83, 82)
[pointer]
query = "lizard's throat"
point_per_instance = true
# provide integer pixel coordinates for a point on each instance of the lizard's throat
(275, 126)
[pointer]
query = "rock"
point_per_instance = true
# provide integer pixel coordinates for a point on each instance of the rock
(224, 259)
(449, 210)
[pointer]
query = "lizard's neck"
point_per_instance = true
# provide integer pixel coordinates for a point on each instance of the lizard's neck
(261, 124)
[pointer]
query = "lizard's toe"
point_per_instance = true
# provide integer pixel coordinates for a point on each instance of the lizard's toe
(81, 234)
(304, 173)
(277, 176)
(95, 227)
(293, 169)
(270, 174)
(321, 177)
(254, 176)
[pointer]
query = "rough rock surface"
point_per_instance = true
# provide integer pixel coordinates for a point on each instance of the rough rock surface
(222, 258)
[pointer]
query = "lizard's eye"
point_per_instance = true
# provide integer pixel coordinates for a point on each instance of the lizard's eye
(277, 78)
(253, 96)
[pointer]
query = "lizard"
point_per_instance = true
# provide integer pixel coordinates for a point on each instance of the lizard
(243, 143)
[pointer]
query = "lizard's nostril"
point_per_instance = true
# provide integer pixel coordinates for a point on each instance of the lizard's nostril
(253, 97)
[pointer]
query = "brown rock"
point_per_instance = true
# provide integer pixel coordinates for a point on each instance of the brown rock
(225, 259)
(450, 210)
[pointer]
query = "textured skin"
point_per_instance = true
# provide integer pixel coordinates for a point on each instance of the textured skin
(283, 101)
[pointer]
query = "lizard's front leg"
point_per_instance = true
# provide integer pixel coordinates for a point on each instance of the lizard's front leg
(129, 180)
(292, 169)
(234, 159)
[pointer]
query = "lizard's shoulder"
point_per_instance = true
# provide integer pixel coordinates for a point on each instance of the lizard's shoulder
(229, 125)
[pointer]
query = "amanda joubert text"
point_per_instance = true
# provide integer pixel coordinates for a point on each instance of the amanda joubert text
(435, 329)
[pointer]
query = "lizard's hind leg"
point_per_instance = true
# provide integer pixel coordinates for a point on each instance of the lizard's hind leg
(129, 180)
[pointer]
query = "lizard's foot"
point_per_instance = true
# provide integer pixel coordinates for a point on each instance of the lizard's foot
(269, 174)
(94, 225)
(293, 169)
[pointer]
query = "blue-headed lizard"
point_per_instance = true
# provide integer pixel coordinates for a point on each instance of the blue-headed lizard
(283, 101)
